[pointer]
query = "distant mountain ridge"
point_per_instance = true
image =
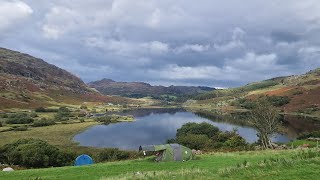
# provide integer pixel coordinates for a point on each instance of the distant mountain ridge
(26, 81)
(141, 89)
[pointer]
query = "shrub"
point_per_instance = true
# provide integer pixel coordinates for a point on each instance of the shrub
(229, 139)
(113, 154)
(43, 122)
(33, 115)
(246, 103)
(104, 119)
(19, 118)
(20, 128)
(205, 136)
(81, 120)
(0, 124)
(34, 153)
(278, 100)
(42, 109)
(195, 141)
(4, 116)
(315, 134)
(63, 114)
(83, 107)
(195, 128)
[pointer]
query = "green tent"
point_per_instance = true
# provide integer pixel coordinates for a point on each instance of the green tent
(169, 152)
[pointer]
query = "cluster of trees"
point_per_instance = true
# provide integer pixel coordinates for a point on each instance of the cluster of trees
(264, 117)
(43, 122)
(20, 118)
(276, 101)
(36, 153)
(205, 136)
(63, 114)
(106, 119)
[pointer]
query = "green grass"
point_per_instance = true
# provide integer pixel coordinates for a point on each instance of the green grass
(238, 165)
(59, 135)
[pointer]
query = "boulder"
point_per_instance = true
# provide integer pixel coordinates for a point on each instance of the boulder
(7, 169)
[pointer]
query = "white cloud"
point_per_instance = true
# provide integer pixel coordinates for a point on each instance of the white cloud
(59, 21)
(128, 48)
(254, 62)
(12, 13)
(309, 50)
(237, 35)
(176, 72)
(192, 47)
(156, 47)
(250, 67)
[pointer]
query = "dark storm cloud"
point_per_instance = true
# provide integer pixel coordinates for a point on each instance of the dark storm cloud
(206, 42)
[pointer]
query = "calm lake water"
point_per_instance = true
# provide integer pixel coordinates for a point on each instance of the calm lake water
(155, 126)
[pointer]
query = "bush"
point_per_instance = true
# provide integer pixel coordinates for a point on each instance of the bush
(4, 116)
(230, 139)
(20, 128)
(246, 103)
(33, 115)
(81, 120)
(0, 124)
(43, 122)
(34, 153)
(42, 109)
(104, 119)
(195, 128)
(83, 107)
(19, 118)
(195, 141)
(278, 100)
(113, 154)
(63, 114)
(315, 134)
(205, 136)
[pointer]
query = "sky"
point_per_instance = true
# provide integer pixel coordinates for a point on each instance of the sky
(216, 43)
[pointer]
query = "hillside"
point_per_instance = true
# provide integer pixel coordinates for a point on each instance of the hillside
(302, 92)
(141, 89)
(288, 164)
(26, 81)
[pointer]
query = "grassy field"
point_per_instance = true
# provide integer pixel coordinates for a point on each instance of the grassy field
(59, 134)
(289, 164)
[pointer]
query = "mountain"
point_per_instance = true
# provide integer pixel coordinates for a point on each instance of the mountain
(26, 81)
(141, 89)
(302, 93)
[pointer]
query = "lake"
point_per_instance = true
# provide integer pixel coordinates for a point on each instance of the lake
(155, 126)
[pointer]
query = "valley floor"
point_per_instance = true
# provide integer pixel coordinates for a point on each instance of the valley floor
(285, 164)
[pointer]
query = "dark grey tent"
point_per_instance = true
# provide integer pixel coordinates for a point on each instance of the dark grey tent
(169, 152)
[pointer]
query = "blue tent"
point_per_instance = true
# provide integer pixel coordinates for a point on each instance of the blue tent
(83, 160)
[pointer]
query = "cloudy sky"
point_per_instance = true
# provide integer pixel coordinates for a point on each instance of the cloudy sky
(219, 43)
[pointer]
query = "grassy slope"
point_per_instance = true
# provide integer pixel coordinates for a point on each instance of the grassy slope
(303, 90)
(209, 166)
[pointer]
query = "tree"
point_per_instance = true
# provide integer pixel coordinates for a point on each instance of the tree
(34, 153)
(264, 118)
(63, 114)
(195, 128)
